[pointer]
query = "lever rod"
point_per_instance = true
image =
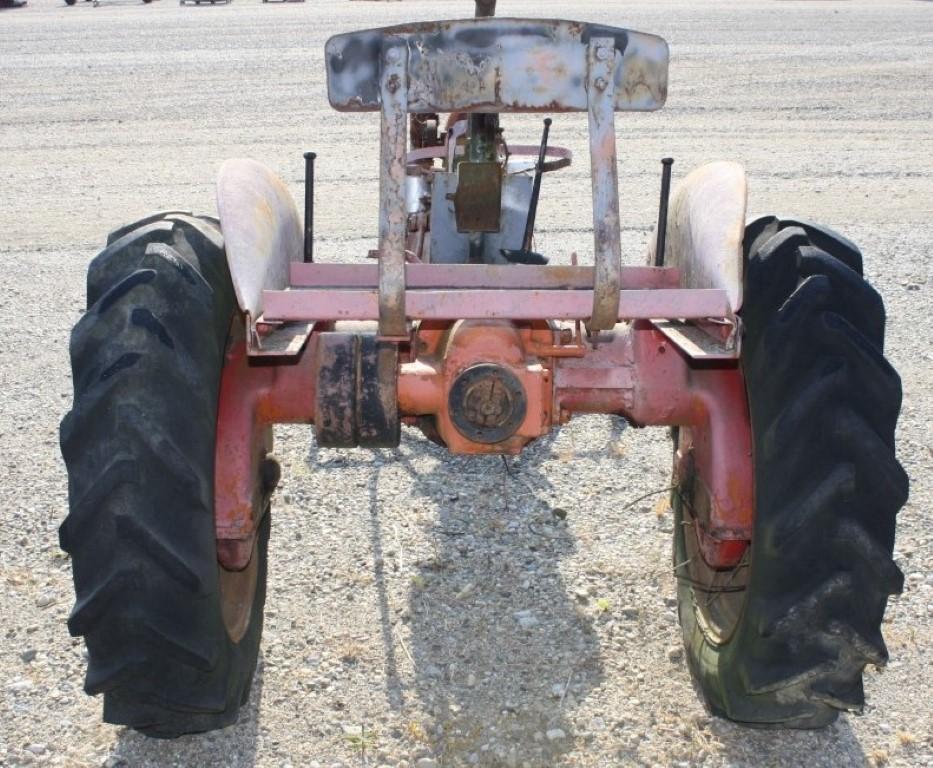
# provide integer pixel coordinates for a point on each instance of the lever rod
(536, 189)
(309, 207)
(666, 164)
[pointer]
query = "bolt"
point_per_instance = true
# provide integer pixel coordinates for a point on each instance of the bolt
(566, 336)
(392, 55)
(601, 83)
(392, 85)
(602, 53)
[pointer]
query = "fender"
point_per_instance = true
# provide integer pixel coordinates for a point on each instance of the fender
(261, 228)
(705, 228)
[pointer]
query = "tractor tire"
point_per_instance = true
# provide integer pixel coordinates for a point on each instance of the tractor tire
(172, 637)
(783, 639)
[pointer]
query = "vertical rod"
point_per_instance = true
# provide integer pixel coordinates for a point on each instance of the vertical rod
(666, 164)
(604, 177)
(536, 189)
(485, 8)
(393, 216)
(309, 207)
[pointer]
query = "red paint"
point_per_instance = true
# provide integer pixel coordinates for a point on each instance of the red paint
(254, 395)
(633, 371)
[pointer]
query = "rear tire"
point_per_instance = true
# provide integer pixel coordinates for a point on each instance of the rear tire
(783, 640)
(139, 447)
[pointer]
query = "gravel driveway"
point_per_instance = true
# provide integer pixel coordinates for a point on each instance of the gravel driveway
(429, 610)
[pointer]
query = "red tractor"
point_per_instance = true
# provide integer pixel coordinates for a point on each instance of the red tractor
(759, 345)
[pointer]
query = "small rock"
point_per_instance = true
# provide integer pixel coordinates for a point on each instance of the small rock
(913, 287)
(44, 601)
(21, 685)
(466, 591)
(425, 762)
(114, 761)
(582, 595)
(555, 734)
(557, 690)
(470, 680)
(560, 513)
(526, 619)
(37, 749)
(629, 612)
(28, 655)
(675, 653)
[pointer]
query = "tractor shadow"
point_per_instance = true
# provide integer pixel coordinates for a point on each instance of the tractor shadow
(836, 744)
(501, 652)
(236, 743)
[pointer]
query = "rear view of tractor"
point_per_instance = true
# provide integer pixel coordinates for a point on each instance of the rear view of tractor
(758, 345)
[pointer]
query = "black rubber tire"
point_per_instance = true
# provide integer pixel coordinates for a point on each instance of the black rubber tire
(139, 448)
(824, 403)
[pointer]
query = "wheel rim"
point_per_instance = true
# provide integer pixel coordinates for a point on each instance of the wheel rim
(238, 593)
(717, 596)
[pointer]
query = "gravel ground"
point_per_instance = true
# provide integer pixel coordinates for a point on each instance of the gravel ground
(423, 609)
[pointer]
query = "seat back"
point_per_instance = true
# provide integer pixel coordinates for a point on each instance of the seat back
(495, 65)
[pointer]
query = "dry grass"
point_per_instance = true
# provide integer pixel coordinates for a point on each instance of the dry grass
(905, 738)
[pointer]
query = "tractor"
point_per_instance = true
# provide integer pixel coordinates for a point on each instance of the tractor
(756, 342)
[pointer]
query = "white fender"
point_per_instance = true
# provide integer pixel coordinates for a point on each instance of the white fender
(261, 228)
(705, 227)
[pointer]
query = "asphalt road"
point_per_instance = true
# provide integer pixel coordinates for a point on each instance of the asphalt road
(110, 112)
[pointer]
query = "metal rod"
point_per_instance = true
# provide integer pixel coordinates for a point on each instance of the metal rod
(666, 164)
(536, 188)
(309, 207)
(485, 8)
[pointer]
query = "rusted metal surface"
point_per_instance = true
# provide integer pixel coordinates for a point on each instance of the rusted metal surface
(454, 276)
(377, 417)
(698, 343)
(393, 217)
(355, 388)
(335, 389)
(476, 304)
(426, 384)
(447, 245)
(706, 224)
(711, 401)
(252, 398)
(561, 157)
(497, 65)
(478, 199)
(605, 183)
(487, 403)
(268, 339)
(261, 228)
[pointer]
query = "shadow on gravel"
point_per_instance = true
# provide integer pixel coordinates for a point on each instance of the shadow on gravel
(836, 745)
(501, 653)
(233, 747)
